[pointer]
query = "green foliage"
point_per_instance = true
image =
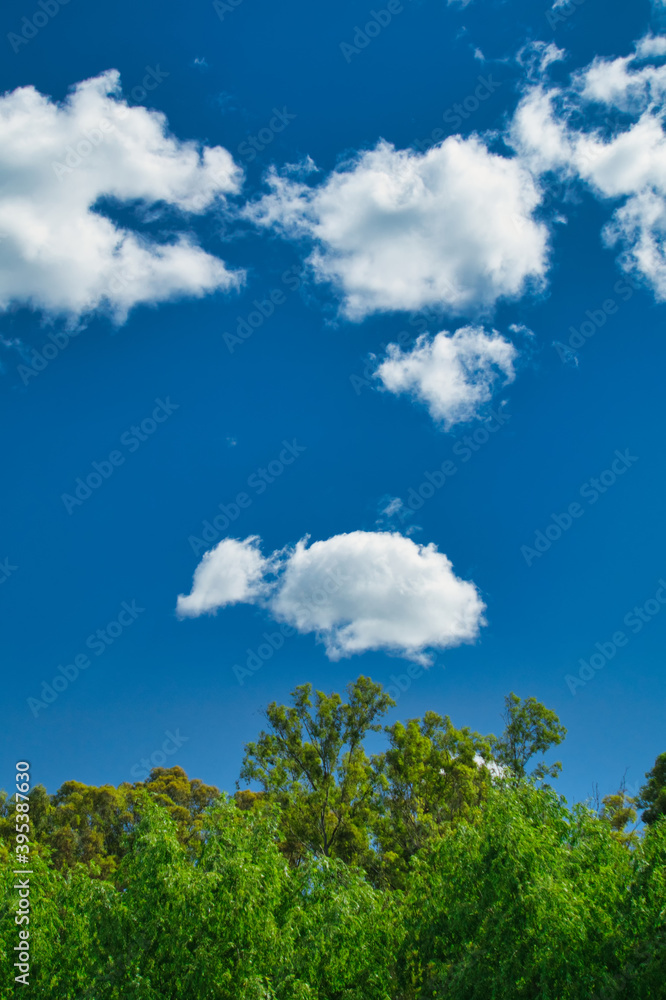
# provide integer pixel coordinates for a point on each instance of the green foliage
(652, 797)
(344, 932)
(530, 729)
(82, 824)
(314, 763)
(476, 883)
(618, 810)
(430, 778)
(519, 905)
(643, 920)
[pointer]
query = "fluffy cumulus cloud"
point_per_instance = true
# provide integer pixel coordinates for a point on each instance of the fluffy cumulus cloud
(356, 592)
(452, 228)
(232, 573)
(619, 151)
(59, 252)
(454, 375)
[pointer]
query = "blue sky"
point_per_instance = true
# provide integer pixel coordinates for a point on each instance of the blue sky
(500, 229)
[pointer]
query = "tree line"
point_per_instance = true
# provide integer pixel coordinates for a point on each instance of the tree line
(445, 866)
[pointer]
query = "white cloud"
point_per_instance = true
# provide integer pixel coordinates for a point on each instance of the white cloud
(496, 770)
(639, 228)
(394, 506)
(623, 158)
(454, 375)
(623, 83)
(394, 229)
(357, 592)
(231, 573)
(59, 253)
(537, 56)
(651, 45)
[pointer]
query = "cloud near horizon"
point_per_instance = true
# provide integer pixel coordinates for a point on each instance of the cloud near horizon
(59, 253)
(356, 592)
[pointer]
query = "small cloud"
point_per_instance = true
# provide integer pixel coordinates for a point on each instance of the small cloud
(232, 573)
(393, 507)
(496, 770)
(231, 442)
(393, 512)
(651, 46)
(519, 329)
(201, 61)
(536, 57)
(13, 344)
(566, 354)
(302, 168)
(454, 375)
(226, 102)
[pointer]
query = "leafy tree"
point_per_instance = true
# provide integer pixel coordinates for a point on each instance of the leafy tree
(85, 824)
(88, 825)
(641, 918)
(489, 889)
(40, 812)
(431, 776)
(344, 932)
(530, 729)
(618, 810)
(652, 796)
(186, 800)
(313, 761)
(520, 905)
(208, 929)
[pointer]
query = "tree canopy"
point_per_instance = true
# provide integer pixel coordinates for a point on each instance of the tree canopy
(442, 867)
